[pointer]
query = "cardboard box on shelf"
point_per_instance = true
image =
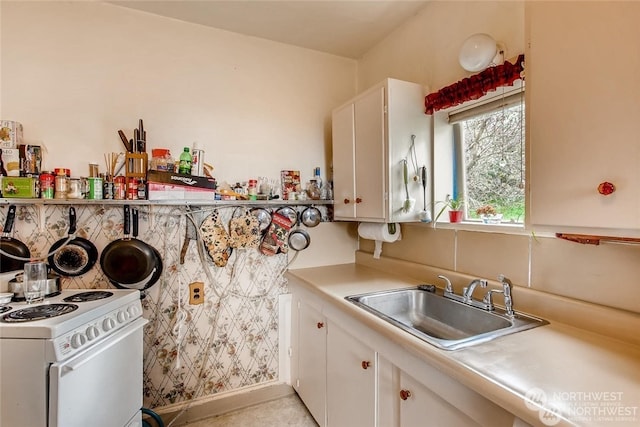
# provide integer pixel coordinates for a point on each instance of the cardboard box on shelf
(11, 161)
(30, 159)
(184, 180)
(290, 182)
(10, 134)
(13, 187)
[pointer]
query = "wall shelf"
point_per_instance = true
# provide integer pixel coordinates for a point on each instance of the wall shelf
(202, 202)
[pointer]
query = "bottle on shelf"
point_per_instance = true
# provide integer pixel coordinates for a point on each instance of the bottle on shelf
(316, 177)
(197, 160)
(185, 162)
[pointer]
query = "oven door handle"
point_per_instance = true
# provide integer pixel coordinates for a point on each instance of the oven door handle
(83, 358)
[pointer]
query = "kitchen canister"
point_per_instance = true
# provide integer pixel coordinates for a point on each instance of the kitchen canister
(119, 187)
(76, 188)
(47, 185)
(61, 186)
(95, 188)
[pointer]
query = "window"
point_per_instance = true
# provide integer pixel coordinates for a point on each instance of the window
(489, 157)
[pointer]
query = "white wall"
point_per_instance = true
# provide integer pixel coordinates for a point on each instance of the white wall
(76, 72)
(425, 49)
(73, 73)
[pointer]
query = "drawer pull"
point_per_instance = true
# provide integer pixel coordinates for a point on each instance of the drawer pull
(358, 200)
(320, 325)
(365, 364)
(405, 394)
(347, 201)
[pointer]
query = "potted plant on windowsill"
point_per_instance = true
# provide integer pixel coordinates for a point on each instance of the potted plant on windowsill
(488, 214)
(455, 206)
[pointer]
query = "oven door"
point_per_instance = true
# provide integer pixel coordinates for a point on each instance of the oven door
(101, 387)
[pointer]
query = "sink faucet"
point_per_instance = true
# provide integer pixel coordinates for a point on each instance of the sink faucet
(506, 292)
(467, 293)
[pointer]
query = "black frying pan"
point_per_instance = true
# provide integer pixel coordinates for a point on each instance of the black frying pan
(128, 262)
(158, 271)
(12, 246)
(76, 257)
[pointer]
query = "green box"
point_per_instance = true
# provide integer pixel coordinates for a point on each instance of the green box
(18, 187)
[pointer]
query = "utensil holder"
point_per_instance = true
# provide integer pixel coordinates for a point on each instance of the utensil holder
(136, 165)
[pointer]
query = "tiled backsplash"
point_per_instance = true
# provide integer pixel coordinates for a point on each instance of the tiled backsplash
(606, 274)
(230, 341)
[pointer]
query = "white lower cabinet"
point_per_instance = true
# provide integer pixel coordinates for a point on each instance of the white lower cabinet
(345, 382)
(351, 380)
(309, 341)
(429, 397)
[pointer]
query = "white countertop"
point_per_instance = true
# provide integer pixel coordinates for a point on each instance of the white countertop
(584, 379)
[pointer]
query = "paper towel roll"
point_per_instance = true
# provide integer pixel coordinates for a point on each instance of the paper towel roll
(380, 234)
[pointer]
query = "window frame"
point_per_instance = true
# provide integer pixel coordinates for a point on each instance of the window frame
(448, 153)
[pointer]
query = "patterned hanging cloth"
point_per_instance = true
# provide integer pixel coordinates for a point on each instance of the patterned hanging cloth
(476, 86)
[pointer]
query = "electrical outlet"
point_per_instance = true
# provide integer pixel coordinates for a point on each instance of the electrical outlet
(196, 293)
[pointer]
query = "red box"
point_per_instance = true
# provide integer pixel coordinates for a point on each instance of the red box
(158, 191)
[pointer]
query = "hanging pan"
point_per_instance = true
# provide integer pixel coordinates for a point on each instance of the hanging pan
(311, 216)
(130, 263)
(74, 257)
(11, 246)
(299, 240)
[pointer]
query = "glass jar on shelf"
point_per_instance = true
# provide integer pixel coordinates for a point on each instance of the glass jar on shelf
(313, 190)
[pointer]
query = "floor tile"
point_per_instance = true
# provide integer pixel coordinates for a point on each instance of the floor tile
(286, 411)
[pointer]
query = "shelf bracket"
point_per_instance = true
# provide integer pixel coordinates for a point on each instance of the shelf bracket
(587, 239)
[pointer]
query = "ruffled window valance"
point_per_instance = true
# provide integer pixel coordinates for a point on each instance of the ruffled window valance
(475, 87)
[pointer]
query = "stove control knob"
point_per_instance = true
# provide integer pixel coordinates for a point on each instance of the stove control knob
(78, 340)
(122, 316)
(92, 332)
(108, 324)
(133, 311)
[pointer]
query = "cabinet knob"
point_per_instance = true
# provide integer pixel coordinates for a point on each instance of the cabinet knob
(365, 364)
(320, 325)
(405, 394)
(347, 201)
(358, 200)
(606, 188)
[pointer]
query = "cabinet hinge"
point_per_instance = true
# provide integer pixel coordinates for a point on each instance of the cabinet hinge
(290, 351)
(298, 383)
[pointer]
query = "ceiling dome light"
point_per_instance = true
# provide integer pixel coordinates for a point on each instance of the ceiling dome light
(477, 52)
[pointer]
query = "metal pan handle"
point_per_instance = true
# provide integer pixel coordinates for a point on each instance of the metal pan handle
(127, 220)
(72, 221)
(11, 216)
(134, 215)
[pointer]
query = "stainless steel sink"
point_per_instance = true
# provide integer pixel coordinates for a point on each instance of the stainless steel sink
(440, 321)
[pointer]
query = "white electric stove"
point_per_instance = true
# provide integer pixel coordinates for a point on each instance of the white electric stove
(73, 360)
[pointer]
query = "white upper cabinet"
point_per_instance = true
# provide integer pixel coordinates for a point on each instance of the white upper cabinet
(583, 107)
(372, 136)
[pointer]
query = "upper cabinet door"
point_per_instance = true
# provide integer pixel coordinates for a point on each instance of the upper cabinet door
(583, 107)
(372, 135)
(344, 186)
(370, 156)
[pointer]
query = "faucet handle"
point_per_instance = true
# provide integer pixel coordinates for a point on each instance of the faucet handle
(448, 287)
(488, 300)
